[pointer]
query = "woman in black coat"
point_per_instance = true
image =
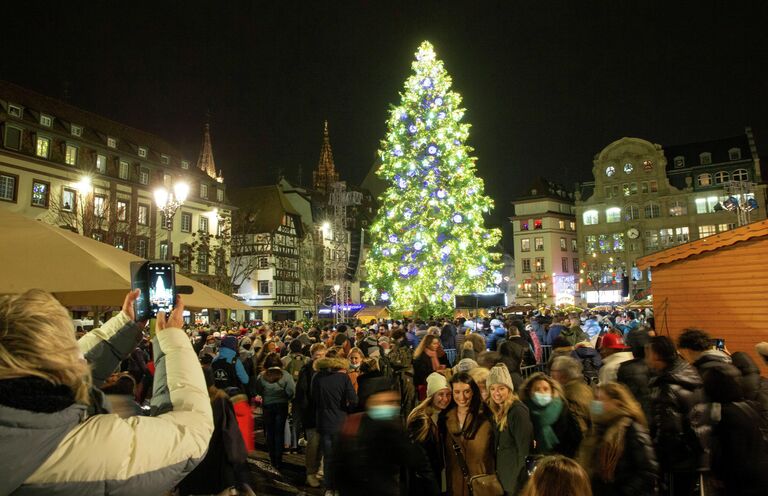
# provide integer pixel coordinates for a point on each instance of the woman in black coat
(618, 454)
(429, 357)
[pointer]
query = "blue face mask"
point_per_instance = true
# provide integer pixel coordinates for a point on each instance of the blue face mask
(596, 407)
(542, 399)
(383, 412)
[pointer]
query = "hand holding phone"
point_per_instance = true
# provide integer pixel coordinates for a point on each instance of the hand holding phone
(175, 319)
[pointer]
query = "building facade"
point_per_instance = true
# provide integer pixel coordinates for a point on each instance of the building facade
(546, 252)
(645, 198)
(69, 167)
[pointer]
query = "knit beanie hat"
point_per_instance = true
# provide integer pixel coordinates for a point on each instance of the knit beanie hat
(465, 365)
(229, 342)
(436, 382)
(499, 374)
(762, 350)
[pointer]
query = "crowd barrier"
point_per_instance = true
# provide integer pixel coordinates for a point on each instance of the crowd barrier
(546, 352)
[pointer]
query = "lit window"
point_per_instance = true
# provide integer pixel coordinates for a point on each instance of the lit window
(704, 179)
(46, 120)
(651, 239)
(264, 287)
(618, 242)
(625, 189)
(8, 187)
(613, 214)
(537, 224)
(76, 130)
(525, 244)
(706, 205)
(70, 157)
(561, 225)
(144, 175)
(654, 186)
(220, 195)
(538, 244)
(574, 245)
(734, 154)
(667, 237)
(590, 217)
(68, 200)
(111, 142)
(164, 159)
(610, 171)
(721, 177)
(682, 234)
(652, 210)
(628, 168)
(99, 205)
(678, 208)
(40, 192)
(185, 164)
(43, 146)
(101, 164)
(523, 226)
(725, 227)
(740, 175)
(203, 191)
(141, 248)
(15, 111)
(122, 210)
(142, 215)
(705, 231)
(123, 169)
(142, 152)
(590, 243)
(631, 212)
(163, 250)
(633, 188)
(204, 224)
(572, 225)
(186, 222)
(540, 265)
(705, 158)
(563, 244)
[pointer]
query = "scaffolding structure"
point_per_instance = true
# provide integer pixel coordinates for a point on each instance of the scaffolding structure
(339, 199)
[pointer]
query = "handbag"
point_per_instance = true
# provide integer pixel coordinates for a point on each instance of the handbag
(479, 485)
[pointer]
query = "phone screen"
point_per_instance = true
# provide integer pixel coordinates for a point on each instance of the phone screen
(162, 287)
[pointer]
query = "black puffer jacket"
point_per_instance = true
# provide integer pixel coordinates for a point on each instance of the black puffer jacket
(712, 359)
(754, 387)
(636, 470)
(635, 375)
(673, 395)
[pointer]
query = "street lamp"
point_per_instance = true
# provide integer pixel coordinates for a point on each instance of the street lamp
(168, 202)
(336, 289)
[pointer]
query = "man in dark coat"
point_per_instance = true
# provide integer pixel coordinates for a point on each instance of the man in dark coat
(634, 373)
(333, 396)
(305, 408)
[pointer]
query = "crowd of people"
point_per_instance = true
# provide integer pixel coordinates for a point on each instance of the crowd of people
(581, 403)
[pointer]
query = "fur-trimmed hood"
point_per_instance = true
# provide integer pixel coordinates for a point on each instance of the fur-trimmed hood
(331, 364)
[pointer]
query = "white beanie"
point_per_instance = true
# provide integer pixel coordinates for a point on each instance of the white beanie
(499, 374)
(436, 382)
(465, 364)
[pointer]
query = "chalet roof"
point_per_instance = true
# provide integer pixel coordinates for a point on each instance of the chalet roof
(710, 243)
(542, 188)
(268, 205)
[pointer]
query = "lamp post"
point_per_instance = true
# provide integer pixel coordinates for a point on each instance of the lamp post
(336, 288)
(168, 203)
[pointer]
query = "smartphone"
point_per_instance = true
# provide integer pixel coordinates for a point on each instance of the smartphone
(719, 343)
(157, 282)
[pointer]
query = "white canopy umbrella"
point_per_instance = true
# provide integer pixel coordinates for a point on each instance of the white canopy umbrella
(78, 270)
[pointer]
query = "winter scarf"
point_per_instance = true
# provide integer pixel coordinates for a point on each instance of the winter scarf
(433, 357)
(543, 419)
(602, 449)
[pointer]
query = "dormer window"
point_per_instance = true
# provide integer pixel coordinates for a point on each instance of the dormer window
(679, 162)
(705, 158)
(76, 130)
(46, 120)
(15, 111)
(734, 154)
(185, 164)
(165, 159)
(111, 142)
(142, 152)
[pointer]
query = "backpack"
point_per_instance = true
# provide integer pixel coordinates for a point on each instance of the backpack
(225, 374)
(295, 364)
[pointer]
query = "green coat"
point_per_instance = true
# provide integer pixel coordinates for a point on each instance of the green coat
(513, 445)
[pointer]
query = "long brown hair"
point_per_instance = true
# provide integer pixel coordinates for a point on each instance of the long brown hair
(273, 368)
(557, 476)
(425, 342)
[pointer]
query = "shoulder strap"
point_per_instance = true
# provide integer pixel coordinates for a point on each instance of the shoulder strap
(459, 455)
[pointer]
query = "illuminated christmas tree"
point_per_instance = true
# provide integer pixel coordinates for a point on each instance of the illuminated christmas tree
(428, 242)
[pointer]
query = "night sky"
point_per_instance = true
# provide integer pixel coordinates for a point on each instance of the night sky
(546, 84)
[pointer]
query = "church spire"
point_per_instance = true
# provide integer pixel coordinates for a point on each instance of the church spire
(205, 161)
(326, 173)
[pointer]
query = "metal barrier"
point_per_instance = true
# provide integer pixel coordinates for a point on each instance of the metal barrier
(451, 354)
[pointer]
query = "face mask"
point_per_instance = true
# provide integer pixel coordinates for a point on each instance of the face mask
(542, 399)
(354, 366)
(596, 407)
(383, 412)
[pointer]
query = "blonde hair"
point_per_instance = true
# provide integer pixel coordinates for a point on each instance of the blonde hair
(423, 412)
(525, 389)
(627, 402)
(30, 319)
(479, 375)
(499, 412)
(558, 475)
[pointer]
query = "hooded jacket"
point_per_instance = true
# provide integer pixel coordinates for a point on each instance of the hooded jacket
(67, 452)
(754, 387)
(492, 340)
(332, 394)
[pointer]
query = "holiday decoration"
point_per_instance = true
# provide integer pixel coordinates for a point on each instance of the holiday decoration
(428, 242)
